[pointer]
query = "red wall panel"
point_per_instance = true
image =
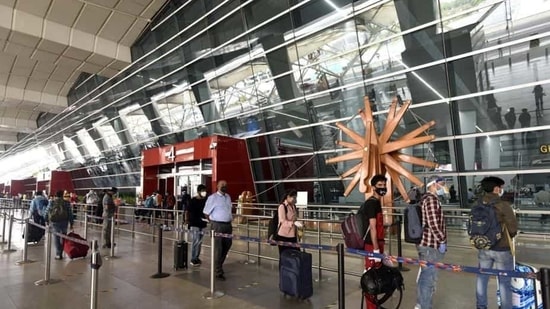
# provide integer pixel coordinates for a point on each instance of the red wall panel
(61, 180)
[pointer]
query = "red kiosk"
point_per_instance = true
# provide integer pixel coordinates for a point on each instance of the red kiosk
(188, 164)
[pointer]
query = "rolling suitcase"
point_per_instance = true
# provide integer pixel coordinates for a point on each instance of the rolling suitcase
(526, 293)
(180, 254)
(295, 277)
(73, 249)
(35, 234)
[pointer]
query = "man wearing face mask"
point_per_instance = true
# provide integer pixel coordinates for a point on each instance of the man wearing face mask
(195, 218)
(499, 257)
(371, 210)
(218, 211)
(433, 245)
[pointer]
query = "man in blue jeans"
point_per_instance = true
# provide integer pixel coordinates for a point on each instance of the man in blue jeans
(60, 215)
(433, 245)
(500, 256)
(197, 222)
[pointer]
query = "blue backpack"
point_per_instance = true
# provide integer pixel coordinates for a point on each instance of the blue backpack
(149, 202)
(483, 227)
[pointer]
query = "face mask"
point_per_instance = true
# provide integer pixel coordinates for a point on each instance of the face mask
(223, 189)
(440, 191)
(203, 193)
(381, 191)
(501, 192)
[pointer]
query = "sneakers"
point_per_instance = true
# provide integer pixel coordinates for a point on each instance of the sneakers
(195, 263)
(220, 277)
(58, 257)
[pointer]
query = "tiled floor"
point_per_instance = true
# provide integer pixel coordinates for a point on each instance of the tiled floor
(125, 282)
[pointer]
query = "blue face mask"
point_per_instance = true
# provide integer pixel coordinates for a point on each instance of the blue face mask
(440, 191)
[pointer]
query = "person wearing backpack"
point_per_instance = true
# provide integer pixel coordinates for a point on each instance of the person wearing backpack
(371, 212)
(287, 215)
(498, 256)
(37, 210)
(59, 215)
(433, 244)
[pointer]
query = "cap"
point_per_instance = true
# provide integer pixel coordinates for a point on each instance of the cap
(435, 179)
(114, 189)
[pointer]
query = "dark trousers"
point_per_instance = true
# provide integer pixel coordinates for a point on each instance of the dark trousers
(288, 239)
(221, 244)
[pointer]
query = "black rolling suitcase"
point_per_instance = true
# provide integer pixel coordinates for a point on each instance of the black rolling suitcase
(295, 277)
(35, 234)
(180, 254)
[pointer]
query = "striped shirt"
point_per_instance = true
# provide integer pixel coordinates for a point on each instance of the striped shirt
(218, 207)
(435, 231)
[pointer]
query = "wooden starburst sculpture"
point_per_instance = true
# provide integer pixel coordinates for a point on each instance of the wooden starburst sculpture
(379, 154)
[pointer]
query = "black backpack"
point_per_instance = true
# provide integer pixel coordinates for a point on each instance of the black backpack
(383, 280)
(483, 227)
(273, 226)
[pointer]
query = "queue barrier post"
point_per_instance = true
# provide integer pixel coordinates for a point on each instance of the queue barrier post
(48, 257)
(9, 248)
(159, 273)
(212, 294)
(25, 245)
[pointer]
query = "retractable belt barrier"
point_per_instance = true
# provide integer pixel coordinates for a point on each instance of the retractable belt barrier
(76, 240)
(445, 266)
(395, 259)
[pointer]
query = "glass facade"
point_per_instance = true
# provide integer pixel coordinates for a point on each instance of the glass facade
(280, 74)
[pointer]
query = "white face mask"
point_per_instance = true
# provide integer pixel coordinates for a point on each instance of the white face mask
(501, 192)
(203, 193)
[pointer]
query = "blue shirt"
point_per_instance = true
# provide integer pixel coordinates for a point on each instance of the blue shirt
(35, 206)
(218, 207)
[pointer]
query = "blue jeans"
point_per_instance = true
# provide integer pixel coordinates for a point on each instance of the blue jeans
(427, 279)
(196, 235)
(498, 260)
(59, 227)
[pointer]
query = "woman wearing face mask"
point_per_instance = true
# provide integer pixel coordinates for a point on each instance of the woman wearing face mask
(195, 218)
(287, 230)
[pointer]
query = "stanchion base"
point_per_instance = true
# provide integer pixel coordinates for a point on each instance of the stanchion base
(216, 294)
(160, 275)
(403, 268)
(47, 282)
(24, 262)
(246, 262)
(323, 279)
(8, 250)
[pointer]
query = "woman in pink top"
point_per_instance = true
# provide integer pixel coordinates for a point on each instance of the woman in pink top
(287, 220)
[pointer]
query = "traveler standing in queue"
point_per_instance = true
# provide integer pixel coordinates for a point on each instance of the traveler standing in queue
(500, 257)
(37, 210)
(373, 221)
(59, 214)
(433, 245)
(108, 212)
(287, 229)
(218, 211)
(194, 216)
